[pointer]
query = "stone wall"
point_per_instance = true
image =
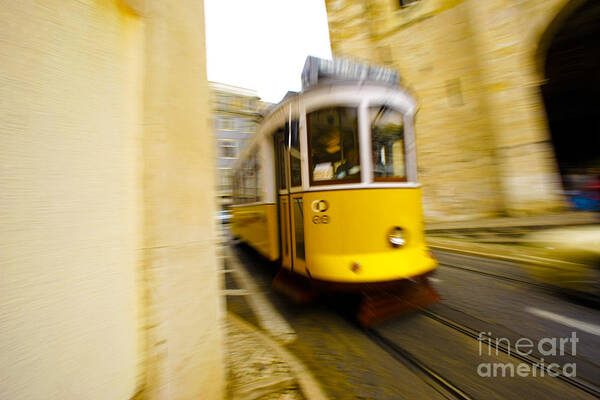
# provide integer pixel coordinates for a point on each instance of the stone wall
(183, 288)
(482, 138)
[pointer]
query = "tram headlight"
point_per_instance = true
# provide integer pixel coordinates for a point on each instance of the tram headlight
(396, 237)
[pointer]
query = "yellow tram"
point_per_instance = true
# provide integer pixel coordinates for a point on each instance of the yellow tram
(328, 185)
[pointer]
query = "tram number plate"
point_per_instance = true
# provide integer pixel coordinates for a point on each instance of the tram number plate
(320, 206)
(320, 219)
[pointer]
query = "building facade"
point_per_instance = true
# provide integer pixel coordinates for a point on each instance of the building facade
(498, 82)
(236, 113)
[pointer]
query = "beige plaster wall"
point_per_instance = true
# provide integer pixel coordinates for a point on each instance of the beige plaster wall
(109, 286)
(70, 196)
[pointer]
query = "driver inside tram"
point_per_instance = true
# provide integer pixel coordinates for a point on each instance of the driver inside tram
(333, 160)
(349, 165)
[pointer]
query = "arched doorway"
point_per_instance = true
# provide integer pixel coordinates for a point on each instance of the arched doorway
(572, 96)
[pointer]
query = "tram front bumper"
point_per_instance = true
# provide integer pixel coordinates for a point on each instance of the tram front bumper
(372, 267)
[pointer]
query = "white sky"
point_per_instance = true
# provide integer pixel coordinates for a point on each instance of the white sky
(262, 44)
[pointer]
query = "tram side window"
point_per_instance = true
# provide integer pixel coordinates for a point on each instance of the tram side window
(243, 188)
(333, 144)
(246, 182)
(236, 188)
(295, 165)
(280, 158)
(387, 132)
(258, 180)
(240, 187)
(250, 175)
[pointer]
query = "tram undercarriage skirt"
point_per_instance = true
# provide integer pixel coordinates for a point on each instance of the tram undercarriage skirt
(379, 302)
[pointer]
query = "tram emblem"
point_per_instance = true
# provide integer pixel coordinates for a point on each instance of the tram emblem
(320, 219)
(320, 206)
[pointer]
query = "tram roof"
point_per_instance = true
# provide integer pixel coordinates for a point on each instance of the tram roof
(318, 70)
(324, 76)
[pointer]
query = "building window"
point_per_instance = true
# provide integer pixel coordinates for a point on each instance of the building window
(238, 103)
(406, 3)
(227, 148)
(223, 100)
(225, 123)
(249, 127)
(226, 179)
(240, 124)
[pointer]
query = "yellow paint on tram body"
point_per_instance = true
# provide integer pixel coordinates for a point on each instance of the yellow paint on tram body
(256, 225)
(355, 230)
(342, 228)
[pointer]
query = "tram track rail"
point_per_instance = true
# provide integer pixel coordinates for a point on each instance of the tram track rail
(427, 374)
(451, 390)
(511, 352)
(495, 275)
(518, 280)
(539, 285)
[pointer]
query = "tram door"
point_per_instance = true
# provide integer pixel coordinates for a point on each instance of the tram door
(289, 184)
(296, 201)
(281, 166)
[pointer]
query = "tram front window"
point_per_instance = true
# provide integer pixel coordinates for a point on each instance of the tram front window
(333, 141)
(387, 129)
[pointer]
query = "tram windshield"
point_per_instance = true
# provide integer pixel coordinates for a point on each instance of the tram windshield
(333, 143)
(387, 130)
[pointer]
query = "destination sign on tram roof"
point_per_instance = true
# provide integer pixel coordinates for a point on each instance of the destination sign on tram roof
(317, 70)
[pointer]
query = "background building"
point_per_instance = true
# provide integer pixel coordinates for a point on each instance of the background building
(109, 286)
(236, 113)
(507, 93)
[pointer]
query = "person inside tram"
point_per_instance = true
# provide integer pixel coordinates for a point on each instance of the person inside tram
(326, 152)
(349, 166)
(334, 160)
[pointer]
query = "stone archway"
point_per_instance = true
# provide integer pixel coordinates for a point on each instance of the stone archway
(571, 92)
